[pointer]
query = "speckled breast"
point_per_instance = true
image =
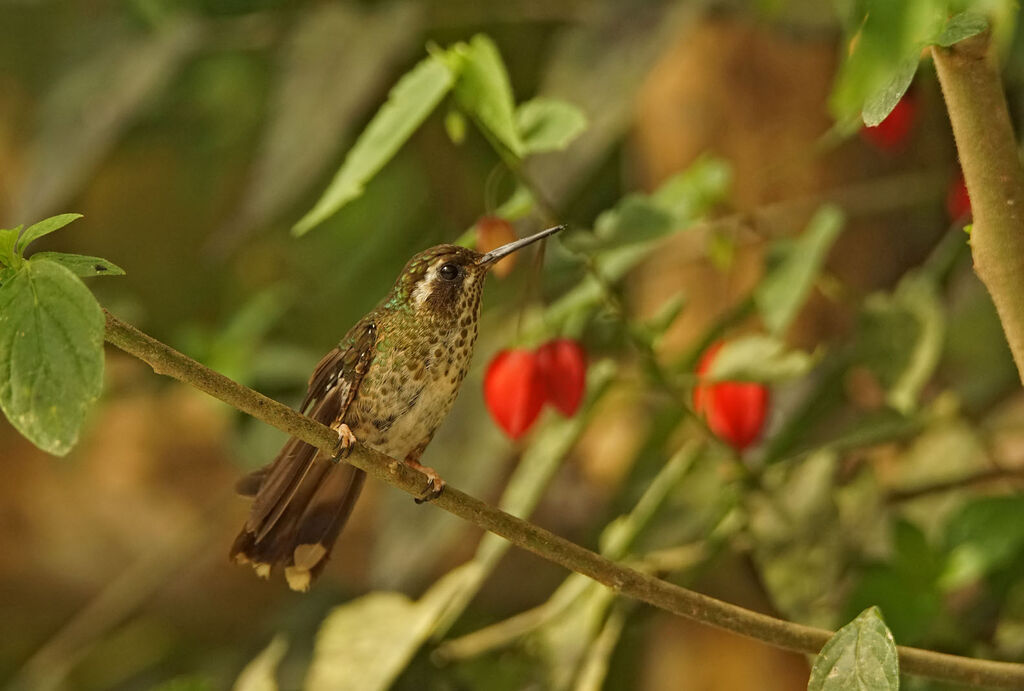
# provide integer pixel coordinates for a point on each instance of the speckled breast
(409, 389)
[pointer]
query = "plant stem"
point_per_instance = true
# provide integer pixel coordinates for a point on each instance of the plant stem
(995, 181)
(624, 580)
(978, 478)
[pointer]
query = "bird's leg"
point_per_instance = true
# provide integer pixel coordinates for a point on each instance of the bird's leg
(435, 485)
(345, 442)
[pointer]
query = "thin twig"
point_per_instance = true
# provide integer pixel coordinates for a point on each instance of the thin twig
(623, 580)
(979, 478)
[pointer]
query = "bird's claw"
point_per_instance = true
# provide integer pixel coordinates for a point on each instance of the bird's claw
(346, 440)
(435, 485)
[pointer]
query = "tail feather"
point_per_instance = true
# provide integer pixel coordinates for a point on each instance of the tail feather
(302, 502)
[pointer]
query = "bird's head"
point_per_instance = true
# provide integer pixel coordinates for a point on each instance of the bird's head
(445, 281)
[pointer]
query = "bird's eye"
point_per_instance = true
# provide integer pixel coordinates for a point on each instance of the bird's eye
(449, 272)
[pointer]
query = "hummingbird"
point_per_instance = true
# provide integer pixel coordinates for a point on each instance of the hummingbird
(388, 384)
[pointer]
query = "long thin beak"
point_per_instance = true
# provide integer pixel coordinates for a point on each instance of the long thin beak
(505, 250)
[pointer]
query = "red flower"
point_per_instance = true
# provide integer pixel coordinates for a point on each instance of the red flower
(958, 202)
(735, 411)
(892, 133)
(514, 390)
(563, 367)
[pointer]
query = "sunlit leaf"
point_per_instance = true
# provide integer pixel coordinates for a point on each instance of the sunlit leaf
(44, 227)
(961, 26)
(759, 358)
(81, 264)
(782, 292)
(261, 673)
(861, 656)
(547, 124)
(51, 344)
(335, 57)
(483, 90)
(455, 126)
(8, 240)
(409, 103)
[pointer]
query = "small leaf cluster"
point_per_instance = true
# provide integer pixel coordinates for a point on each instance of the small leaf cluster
(51, 336)
(475, 75)
(887, 39)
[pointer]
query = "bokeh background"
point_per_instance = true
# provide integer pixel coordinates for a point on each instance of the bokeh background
(193, 134)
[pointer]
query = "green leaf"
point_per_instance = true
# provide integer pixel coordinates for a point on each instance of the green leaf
(8, 240)
(783, 291)
(519, 205)
(81, 264)
(582, 605)
(455, 126)
(619, 535)
(880, 103)
(261, 673)
(409, 103)
(308, 104)
(547, 124)
(906, 586)
(961, 26)
(364, 644)
(484, 92)
(901, 338)
(526, 487)
(691, 193)
(675, 205)
(861, 656)
(626, 234)
(636, 218)
(654, 328)
(886, 47)
(759, 358)
(796, 534)
(51, 347)
(44, 227)
(987, 534)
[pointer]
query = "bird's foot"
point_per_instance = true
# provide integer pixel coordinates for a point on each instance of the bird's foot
(435, 485)
(345, 442)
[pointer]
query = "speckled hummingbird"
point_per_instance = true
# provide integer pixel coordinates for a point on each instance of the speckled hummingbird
(389, 384)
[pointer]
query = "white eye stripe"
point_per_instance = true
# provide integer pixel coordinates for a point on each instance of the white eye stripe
(423, 290)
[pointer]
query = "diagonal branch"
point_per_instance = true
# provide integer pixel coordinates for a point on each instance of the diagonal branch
(624, 580)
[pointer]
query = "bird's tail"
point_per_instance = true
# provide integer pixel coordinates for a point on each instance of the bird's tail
(302, 501)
